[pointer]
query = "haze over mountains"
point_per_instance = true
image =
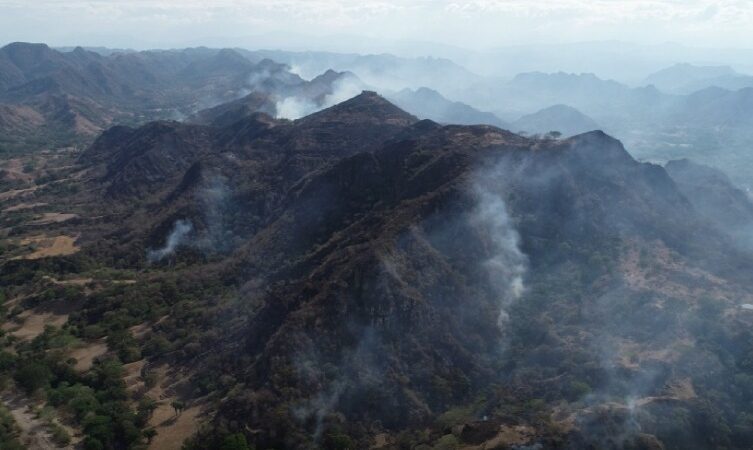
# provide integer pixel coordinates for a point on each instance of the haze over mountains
(687, 78)
(685, 110)
(225, 248)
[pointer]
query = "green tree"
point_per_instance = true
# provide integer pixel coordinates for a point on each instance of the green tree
(149, 434)
(145, 409)
(33, 375)
(178, 406)
(235, 441)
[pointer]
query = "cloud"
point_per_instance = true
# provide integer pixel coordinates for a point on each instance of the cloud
(470, 23)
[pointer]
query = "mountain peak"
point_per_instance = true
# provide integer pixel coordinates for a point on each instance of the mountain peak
(25, 55)
(16, 46)
(597, 147)
(366, 107)
(563, 118)
(331, 76)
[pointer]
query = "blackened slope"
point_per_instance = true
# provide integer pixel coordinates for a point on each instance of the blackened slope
(595, 187)
(382, 263)
(133, 162)
(227, 114)
(154, 157)
(360, 124)
(378, 291)
(366, 108)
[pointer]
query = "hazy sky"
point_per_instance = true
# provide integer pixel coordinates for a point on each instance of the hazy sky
(465, 23)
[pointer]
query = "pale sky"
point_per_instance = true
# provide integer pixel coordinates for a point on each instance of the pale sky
(474, 24)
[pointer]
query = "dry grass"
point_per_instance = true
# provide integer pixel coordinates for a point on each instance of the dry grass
(69, 282)
(86, 355)
(7, 195)
(173, 429)
(132, 375)
(651, 266)
(49, 218)
(508, 437)
(13, 170)
(33, 324)
(45, 246)
(139, 331)
(23, 206)
(381, 440)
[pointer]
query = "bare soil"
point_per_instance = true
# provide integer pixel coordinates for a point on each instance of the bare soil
(49, 218)
(86, 355)
(33, 324)
(46, 246)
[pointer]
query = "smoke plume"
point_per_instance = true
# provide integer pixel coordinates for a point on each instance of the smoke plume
(507, 266)
(181, 229)
(295, 107)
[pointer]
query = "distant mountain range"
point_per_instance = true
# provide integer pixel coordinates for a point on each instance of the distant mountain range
(430, 104)
(688, 78)
(67, 98)
(710, 125)
(71, 96)
(384, 72)
(562, 118)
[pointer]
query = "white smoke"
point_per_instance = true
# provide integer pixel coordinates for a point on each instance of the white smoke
(295, 107)
(256, 80)
(356, 368)
(181, 229)
(320, 407)
(507, 267)
(343, 89)
(213, 199)
(296, 69)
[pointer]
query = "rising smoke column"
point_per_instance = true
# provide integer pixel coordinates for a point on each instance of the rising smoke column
(181, 229)
(507, 266)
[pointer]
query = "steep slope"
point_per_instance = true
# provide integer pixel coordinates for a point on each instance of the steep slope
(134, 161)
(226, 114)
(155, 156)
(714, 196)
